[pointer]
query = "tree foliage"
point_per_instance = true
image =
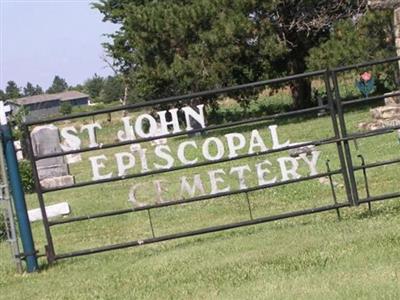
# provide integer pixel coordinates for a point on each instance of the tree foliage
(31, 90)
(354, 42)
(179, 46)
(93, 86)
(12, 90)
(66, 108)
(113, 89)
(59, 85)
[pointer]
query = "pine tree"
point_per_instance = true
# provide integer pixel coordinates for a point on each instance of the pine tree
(31, 90)
(354, 42)
(113, 90)
(12, 90)
(93, 86)
(59, 85)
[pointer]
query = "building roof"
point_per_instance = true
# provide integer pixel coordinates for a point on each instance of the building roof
(64, 96)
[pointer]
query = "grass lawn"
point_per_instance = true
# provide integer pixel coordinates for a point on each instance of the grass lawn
(314, 256)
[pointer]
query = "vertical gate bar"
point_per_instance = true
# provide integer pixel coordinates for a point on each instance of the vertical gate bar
(333, 189)
(50, 253)
(339, 145)
(342, 123)
(151, 223)
(365, 180)
(249, 206)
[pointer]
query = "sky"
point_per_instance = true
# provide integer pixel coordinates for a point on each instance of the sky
(43, 38)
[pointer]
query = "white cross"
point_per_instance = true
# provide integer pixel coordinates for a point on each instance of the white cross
(4, 109)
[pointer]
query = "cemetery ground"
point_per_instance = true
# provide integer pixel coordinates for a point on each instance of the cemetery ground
(309, 257)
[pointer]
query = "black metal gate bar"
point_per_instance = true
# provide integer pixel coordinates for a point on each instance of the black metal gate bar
(347, 151)
(387, 196)
(367, 64)
(339, 146)
(202, 231)
(367, 99)
(356, 136)
(364, 170)
(377, 164)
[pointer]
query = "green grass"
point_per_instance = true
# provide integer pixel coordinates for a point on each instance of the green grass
(313, 256)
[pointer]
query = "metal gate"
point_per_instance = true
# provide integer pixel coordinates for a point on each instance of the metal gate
(346, 170)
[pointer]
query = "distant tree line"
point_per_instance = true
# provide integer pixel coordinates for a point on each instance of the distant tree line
(100, 89)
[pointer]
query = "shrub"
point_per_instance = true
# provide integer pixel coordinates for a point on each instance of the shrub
(25, 170)
(66, 108)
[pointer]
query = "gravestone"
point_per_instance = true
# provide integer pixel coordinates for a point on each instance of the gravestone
(53, 172)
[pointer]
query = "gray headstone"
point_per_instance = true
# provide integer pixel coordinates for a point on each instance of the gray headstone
(46, 140)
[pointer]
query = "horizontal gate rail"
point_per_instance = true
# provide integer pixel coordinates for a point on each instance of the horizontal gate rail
(202, 231)
(380, 197)
(377, 164)
(367, 99)
(367, 64)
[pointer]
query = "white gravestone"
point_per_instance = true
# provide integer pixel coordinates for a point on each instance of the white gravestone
(55, 210)
(53, 172)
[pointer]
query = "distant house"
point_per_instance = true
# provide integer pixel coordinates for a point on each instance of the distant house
(44, 106)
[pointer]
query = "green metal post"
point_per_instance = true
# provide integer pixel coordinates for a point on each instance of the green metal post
(19, 199)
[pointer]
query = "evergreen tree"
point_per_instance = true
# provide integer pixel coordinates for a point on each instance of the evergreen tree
(355, 42)
(38, 90)
(93, 86)
(113, 90)
(179, 46)
(12, 90)
(31, 90)
(59, 85)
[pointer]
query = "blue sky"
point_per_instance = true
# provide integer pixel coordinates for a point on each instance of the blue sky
(41, 39)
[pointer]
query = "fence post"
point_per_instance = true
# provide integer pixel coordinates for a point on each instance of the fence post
(18, 194)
